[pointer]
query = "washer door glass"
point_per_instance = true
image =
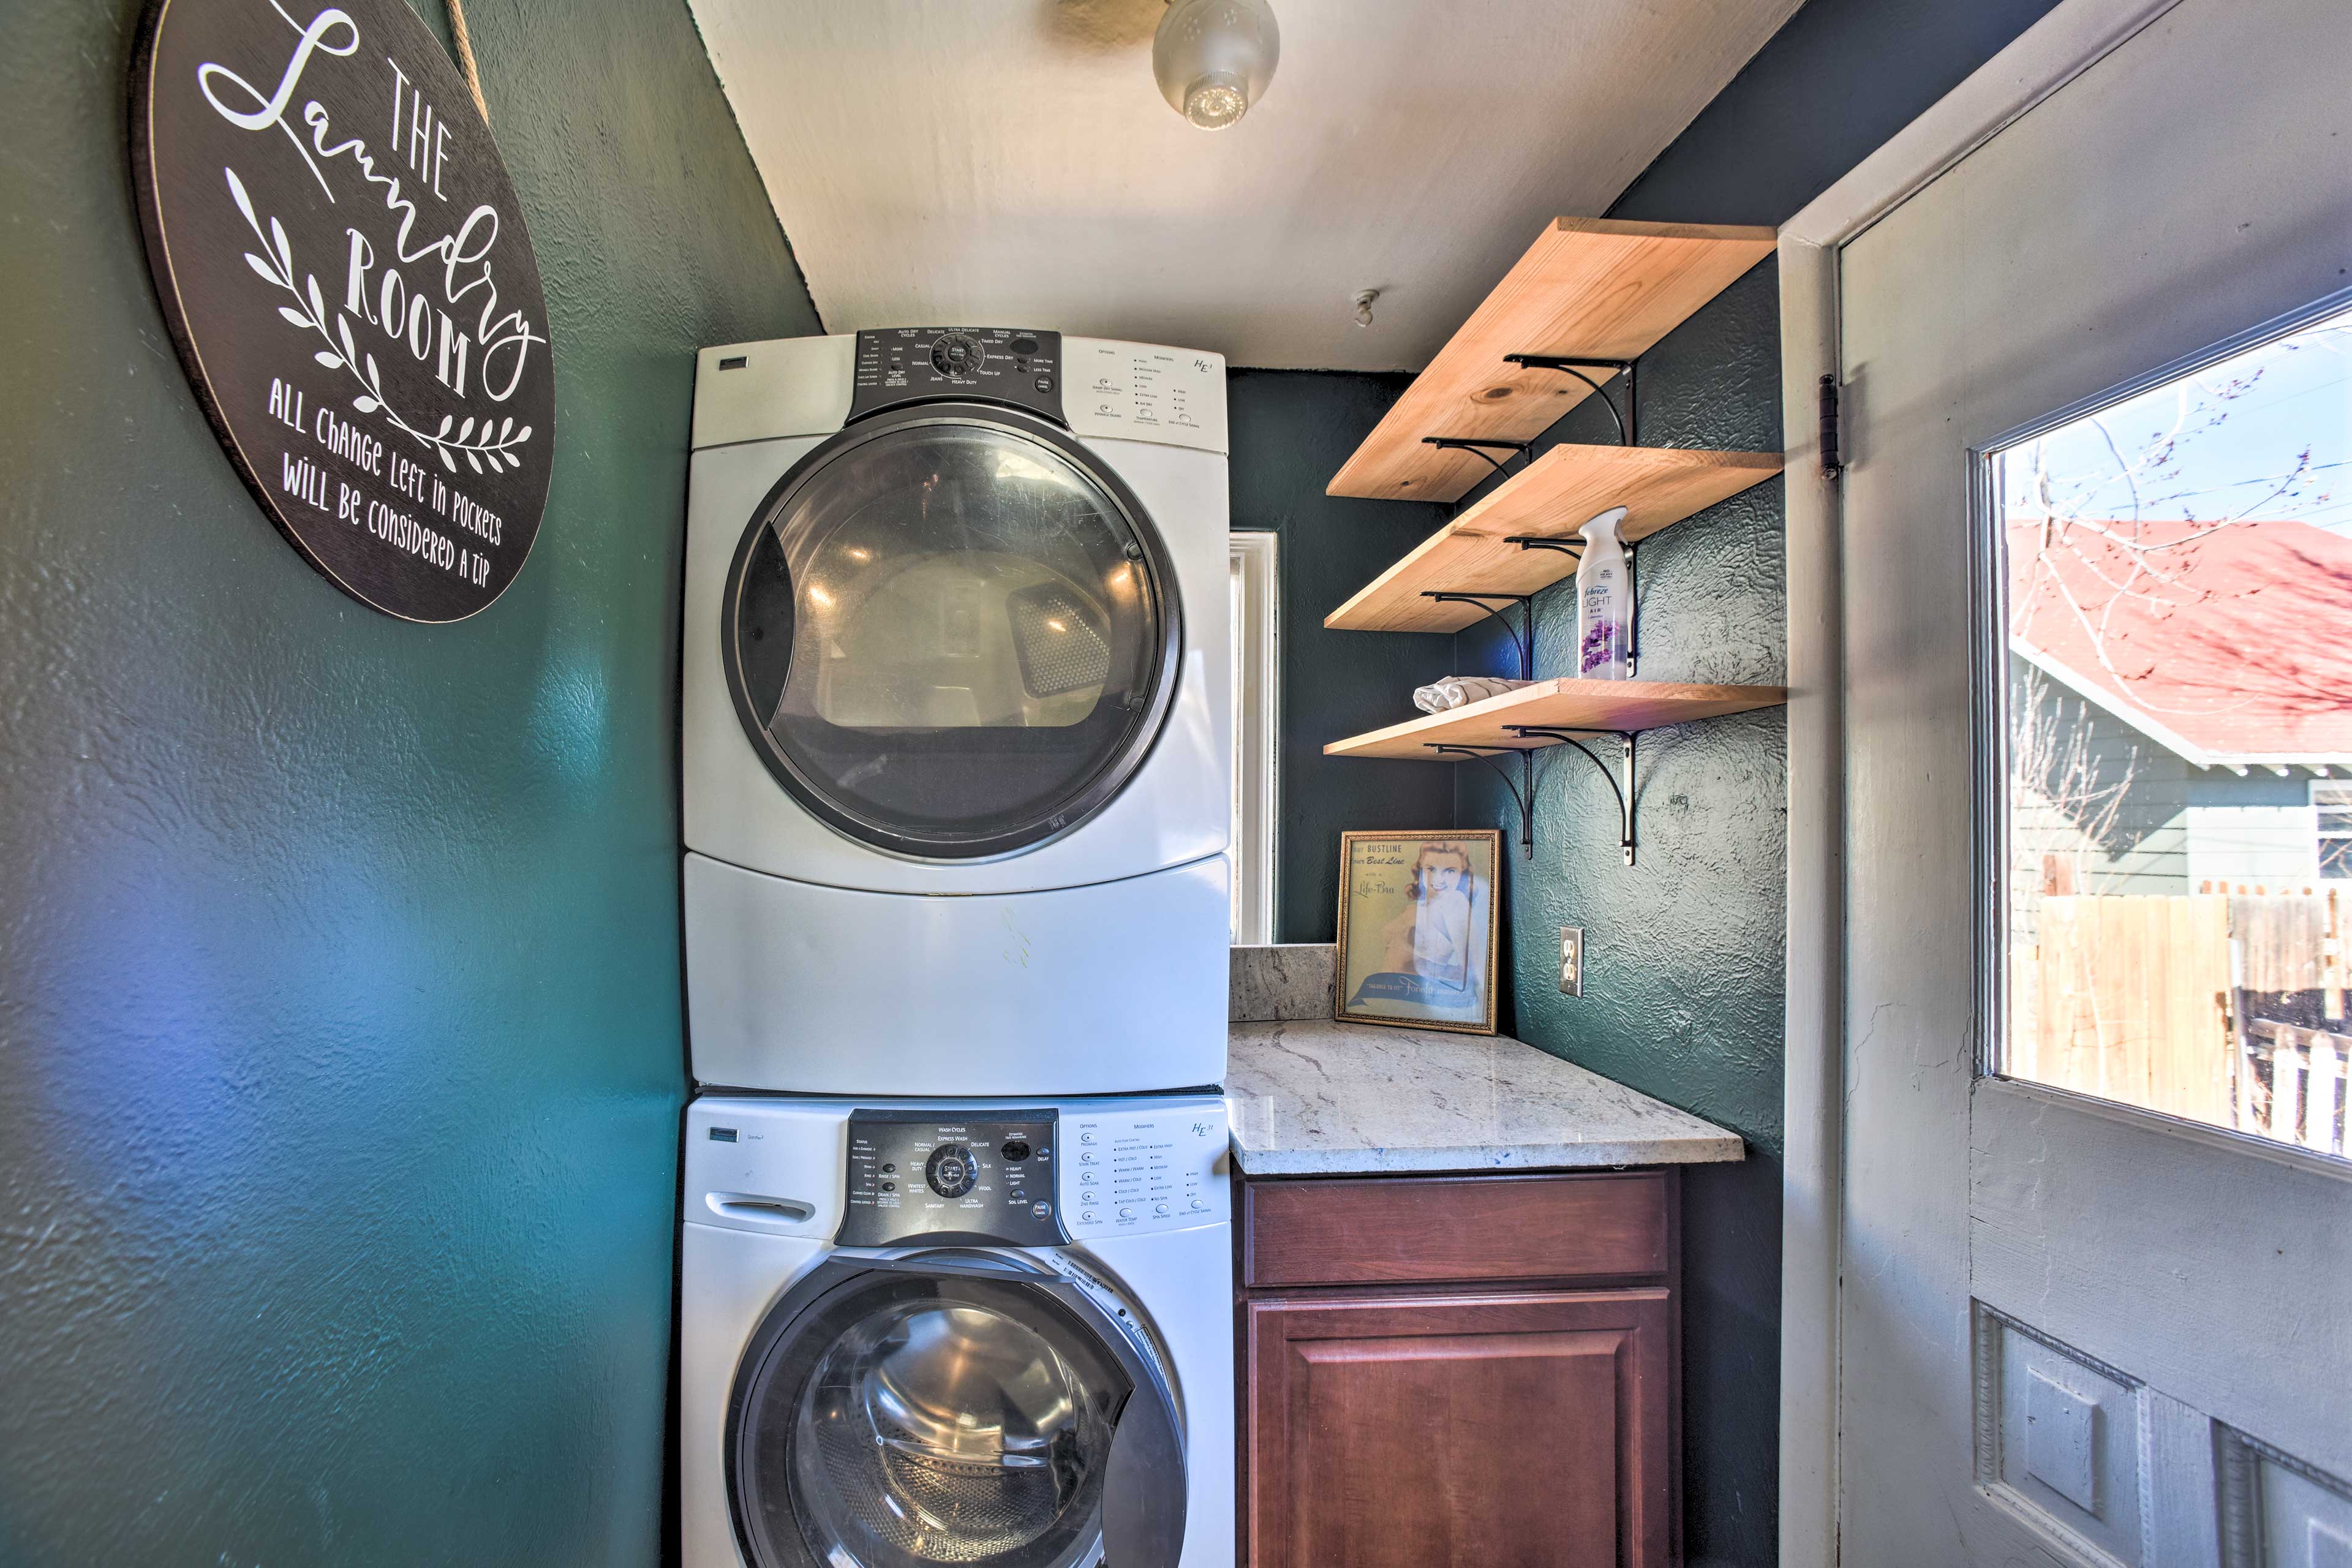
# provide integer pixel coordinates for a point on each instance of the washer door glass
(916, 1420)
(949, 633)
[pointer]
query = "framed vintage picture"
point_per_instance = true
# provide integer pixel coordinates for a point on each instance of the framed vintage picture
(1417, 924)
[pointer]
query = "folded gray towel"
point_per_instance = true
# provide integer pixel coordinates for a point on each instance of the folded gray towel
(1459, 690)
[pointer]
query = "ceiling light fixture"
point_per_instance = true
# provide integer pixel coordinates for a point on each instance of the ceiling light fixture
(1214, 59)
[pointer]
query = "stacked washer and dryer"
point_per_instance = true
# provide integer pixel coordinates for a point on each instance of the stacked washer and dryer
(956, 749)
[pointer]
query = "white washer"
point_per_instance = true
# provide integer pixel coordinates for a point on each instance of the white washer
(910, 1336)
(956, 715)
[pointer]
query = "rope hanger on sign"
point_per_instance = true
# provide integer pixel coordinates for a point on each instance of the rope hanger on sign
(464, 41)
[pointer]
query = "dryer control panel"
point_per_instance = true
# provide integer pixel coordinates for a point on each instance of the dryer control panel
(921, 1175)
(1014, 365)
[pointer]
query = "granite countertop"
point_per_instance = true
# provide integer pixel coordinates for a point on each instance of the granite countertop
(1312, 1096)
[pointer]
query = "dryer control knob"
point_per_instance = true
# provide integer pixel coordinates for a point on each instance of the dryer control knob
(949, 1171)
(957, 354)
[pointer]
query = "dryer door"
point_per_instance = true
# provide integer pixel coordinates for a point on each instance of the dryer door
(952, 1407)
(951, 633)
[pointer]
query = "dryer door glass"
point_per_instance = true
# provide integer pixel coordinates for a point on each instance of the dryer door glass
(915, 1420)
(951, 633)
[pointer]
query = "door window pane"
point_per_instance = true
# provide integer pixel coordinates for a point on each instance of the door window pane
(2177, 613)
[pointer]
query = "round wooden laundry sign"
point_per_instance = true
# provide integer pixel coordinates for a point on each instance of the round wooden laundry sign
(346, 271)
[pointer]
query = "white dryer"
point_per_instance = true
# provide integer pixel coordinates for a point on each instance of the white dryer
(989, 1333)
(956, 715)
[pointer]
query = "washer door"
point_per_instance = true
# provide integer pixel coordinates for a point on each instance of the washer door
(950, 1408)
(951, 633)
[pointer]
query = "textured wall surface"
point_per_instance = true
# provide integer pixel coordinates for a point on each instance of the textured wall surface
(1684, 951)
(339, 957)
(1836, 80)
(1291, 431)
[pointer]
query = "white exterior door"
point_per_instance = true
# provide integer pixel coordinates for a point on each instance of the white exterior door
(2071, 1324)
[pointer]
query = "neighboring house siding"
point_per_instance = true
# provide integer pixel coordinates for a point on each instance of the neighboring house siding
(2253, 848)
(2164, 825)
(2104, 809)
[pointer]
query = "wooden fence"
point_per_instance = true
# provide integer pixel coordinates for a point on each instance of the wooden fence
(2131, 1000)
(2223, 1009)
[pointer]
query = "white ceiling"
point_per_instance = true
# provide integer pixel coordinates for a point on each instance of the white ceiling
(1011, 163)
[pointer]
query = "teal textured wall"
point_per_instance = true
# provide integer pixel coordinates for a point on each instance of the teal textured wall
(1291, 431)
(339, 958)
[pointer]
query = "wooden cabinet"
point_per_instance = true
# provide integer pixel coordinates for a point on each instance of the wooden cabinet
(1460, 1371)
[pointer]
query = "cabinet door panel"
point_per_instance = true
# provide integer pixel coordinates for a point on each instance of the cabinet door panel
(1526, 1431)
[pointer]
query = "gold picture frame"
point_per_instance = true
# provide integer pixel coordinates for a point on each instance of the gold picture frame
(1420, 916)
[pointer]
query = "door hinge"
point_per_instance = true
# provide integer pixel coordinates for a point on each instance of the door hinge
(1832, 463)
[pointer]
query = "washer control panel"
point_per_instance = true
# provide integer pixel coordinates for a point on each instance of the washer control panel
(922, 1175)
(1160, 1169)
(1015, 365)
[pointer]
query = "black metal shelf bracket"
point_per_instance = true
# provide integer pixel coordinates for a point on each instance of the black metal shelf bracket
(1634, 620)
(1624, 792)
(1570, 364)
(1478, 446)
(1525, 642)
(1531, 776)
(1523, 793)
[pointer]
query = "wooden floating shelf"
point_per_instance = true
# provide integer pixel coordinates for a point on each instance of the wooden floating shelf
(1589, 288)
(1625, 707)
(1553, 497)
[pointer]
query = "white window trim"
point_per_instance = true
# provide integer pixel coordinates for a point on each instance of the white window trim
(1257, 738)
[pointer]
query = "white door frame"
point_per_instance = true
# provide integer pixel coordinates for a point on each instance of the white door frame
(2067, 41)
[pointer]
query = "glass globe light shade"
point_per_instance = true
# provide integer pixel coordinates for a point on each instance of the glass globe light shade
(1214, 59)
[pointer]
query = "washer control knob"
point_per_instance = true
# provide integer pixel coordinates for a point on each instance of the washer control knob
(949, 1171)
(1127, 1214)
(1159, 1208)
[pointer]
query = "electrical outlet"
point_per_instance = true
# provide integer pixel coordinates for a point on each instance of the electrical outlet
(1572, 961)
